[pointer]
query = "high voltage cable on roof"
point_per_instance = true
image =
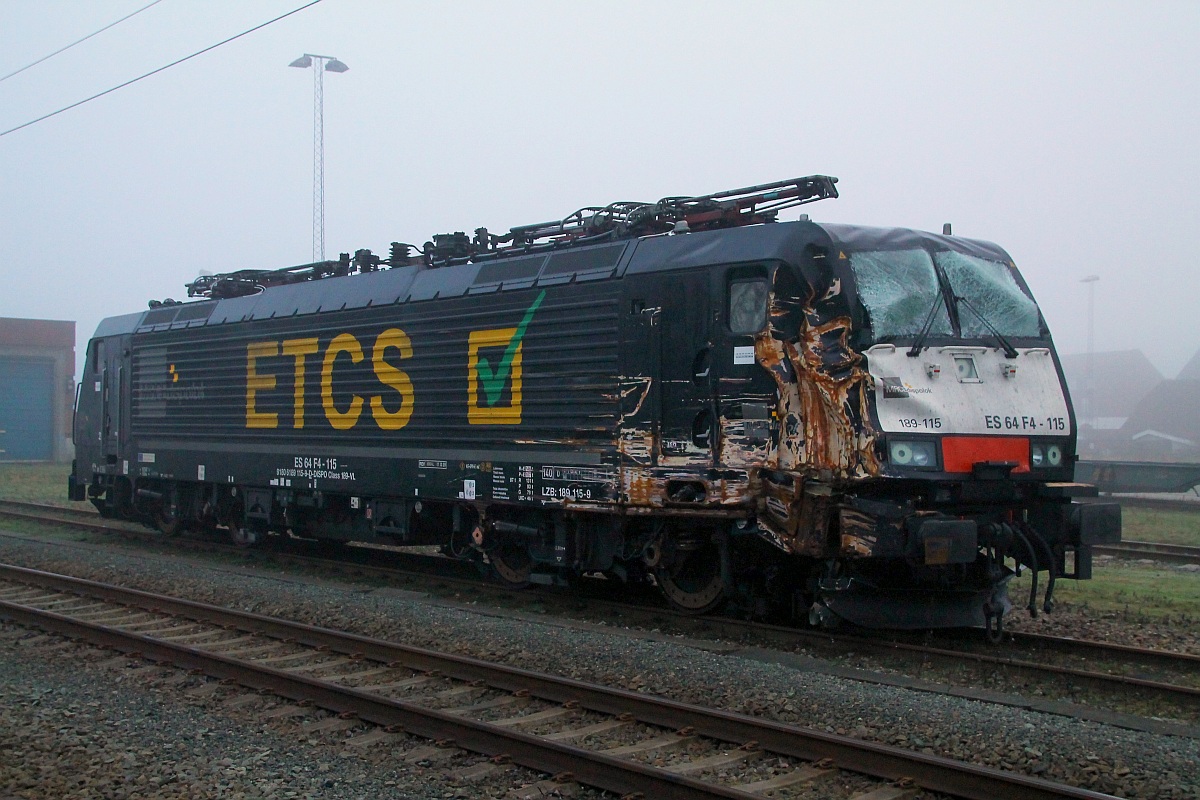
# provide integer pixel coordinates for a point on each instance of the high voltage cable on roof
(79, 41)
(156, 71)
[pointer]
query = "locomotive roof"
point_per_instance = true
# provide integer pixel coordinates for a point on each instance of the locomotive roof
(612, 260)
(861, 237)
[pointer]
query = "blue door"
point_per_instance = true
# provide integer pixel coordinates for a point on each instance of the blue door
(26, 409)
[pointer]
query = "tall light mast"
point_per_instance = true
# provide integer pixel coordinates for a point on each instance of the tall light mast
(321, 64)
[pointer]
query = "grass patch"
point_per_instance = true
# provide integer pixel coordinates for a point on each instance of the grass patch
(1160, 525)
(1138, 593)
(36, 483)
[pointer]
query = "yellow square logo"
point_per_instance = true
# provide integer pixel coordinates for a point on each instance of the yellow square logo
(486, 384)
(483, 413)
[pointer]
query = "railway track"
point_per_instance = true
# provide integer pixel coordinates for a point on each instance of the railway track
(1161, 681)
(579, 732)
(1155, 551)
(1155, 503)
(36, 512)
(1164, 679)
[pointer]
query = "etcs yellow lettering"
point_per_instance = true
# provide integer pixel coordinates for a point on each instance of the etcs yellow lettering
(396, 379)
(298, 349)
(340, 420)
(259, 383)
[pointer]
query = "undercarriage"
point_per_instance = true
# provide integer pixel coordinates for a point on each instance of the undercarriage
(884, 563)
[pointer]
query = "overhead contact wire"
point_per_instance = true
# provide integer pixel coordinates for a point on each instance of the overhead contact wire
(78, 41)
(160, 69)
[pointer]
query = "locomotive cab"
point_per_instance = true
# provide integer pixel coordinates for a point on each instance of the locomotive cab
(937, 405)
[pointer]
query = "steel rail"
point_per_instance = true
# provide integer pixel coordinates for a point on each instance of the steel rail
(1149, 503)
(1156, 551)
(25, 507)
(881, 761)
(83, 520)
(1176, 660)
(1094, 646)
(1163, 657)
(597, 769)
(88, 520)
(1074, 672)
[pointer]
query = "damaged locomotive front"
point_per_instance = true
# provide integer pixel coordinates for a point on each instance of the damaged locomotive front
(926, 437)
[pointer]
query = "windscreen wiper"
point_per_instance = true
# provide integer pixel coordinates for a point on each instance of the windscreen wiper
(1009, 350)
(915, 350)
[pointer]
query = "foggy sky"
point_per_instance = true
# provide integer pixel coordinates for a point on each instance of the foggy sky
(1066, 132)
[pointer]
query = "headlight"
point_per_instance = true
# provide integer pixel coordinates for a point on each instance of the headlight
(1045, 455)
(965, 367)
(914, 454)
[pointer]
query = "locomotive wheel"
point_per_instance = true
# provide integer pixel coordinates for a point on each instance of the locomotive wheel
(511, 564)
(692, 581)
(168, 524)
(243, 536)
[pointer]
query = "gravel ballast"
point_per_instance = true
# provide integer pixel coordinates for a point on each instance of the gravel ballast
(68, 730)
(37, 692)
(77, 725)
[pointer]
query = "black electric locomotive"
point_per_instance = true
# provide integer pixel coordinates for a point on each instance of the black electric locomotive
(857, 423)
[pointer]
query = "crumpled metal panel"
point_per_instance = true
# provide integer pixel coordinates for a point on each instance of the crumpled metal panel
(826, 435)
(864, 535)
(794, 513)
(740, 444)
(824, 392)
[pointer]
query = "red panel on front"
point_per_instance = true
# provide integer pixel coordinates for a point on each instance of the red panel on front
(960, 453)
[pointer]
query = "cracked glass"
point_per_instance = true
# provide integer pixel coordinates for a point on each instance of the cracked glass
(991, 290)
(899, 289)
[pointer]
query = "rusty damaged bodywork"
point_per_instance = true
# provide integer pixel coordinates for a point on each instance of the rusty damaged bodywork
(861, 424)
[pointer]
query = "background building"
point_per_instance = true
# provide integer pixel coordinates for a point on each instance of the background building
(37, 389)
(1137, 415)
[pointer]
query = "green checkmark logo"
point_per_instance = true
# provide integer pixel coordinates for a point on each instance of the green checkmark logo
(493, 380)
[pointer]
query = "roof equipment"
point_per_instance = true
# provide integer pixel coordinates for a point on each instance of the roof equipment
(750, 205)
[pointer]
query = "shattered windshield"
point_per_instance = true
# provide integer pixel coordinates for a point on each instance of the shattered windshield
(899, 289)
(991, 290)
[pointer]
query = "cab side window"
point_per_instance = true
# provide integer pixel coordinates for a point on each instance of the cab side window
(97, 355)
(748, 303)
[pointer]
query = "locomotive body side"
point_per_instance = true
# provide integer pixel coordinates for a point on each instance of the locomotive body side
(324, 390)
(726, 411)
